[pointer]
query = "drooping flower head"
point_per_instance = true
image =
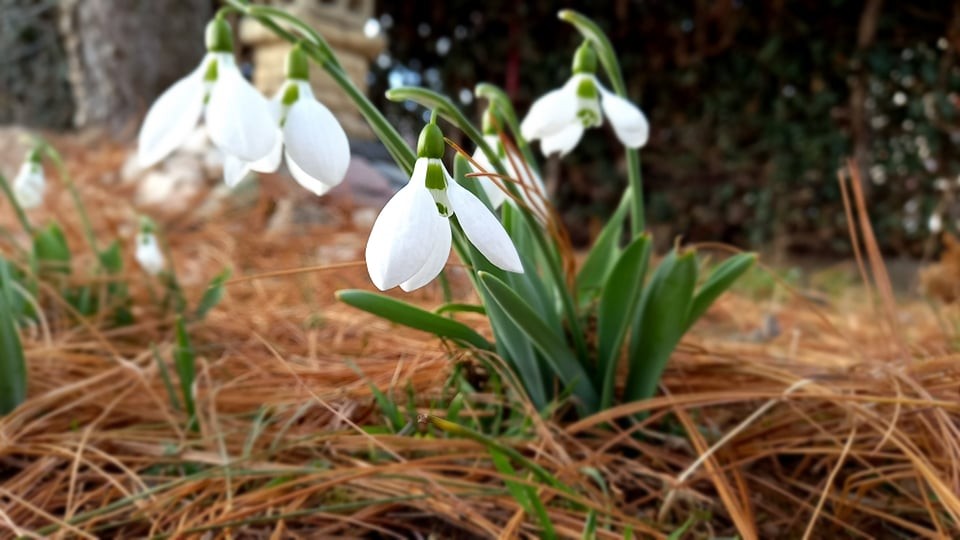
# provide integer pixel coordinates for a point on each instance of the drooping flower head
(516, 166)
(410, 240)
(237, 117)
(317, 150)
(148, 253)
(29, 184)
(559, 117)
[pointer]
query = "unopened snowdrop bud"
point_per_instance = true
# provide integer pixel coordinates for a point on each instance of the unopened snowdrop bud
(314, 144)
(559, 117)
(29, 184)
(237, 117)
(410, 241)
(148, 253)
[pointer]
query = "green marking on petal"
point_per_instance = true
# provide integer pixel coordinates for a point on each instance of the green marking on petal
(442, 209)
(212, 71)
(586, 89)
(436, 178)
(290, 95)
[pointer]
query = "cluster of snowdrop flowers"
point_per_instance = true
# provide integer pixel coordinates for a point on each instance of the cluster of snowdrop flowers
(250, 130)
(532, 189)
(410, 241)
(29, 184)
(148, 253)
(558, 118)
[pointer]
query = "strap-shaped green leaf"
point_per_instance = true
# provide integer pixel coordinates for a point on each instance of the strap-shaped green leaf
(411, 316)
(184, 360)
(212, 296)
(50, 250)
(554, 347)
(665, 307)
(722, 277)
(13, 368)
(603, 255)
(618, 306)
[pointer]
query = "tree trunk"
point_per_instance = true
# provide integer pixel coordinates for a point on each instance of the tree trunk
(121, 55)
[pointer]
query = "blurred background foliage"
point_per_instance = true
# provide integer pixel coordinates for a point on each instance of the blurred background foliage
(754, 107)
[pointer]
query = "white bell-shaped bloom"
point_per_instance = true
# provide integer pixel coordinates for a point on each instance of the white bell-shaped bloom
(29, 184)
(530, 184)
(148, 253)
(558, 118)
(410, 241)
(309, 136)
(237, 117)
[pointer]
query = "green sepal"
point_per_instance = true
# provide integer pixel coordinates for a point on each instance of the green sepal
(430, 144)
(585, 59)
(297, 65)
(219, 35)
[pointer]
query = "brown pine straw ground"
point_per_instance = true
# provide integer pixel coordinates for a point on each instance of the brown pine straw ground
(844, 424)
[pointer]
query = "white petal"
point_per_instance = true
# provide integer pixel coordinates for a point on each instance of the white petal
(563, 141)
(550, 113)
(171, 118)
(494, 194)
(396, 249)
(238, 117)
(271, 162)
(234, 170)
(310, 183)
(440, 240)
(29, 185)
(316, 141)
(483, 229)
(148, 254)
(628, 121)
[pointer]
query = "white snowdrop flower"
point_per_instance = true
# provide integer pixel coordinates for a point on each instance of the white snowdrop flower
(410, 241)
(558, 118)
(148, 253)
(237, 117)
(317, 150)
(29, 184)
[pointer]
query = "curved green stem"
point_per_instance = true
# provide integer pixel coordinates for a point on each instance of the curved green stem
(67, 180)
(608, 58)
(21, 215)
(502, 105)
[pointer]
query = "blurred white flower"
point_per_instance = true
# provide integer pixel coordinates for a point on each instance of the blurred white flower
(559, 117)
(410, 240)
(935, 223)
(317, 149)
(237, 117)
(148, 253)
(531, 185)
(29, 184)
